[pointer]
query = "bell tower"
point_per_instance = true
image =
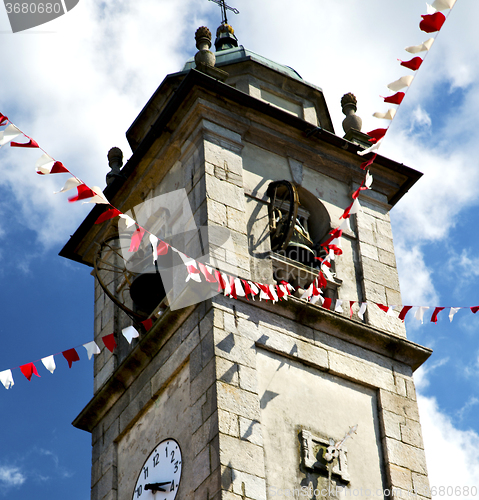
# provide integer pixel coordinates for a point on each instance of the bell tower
(236, 166)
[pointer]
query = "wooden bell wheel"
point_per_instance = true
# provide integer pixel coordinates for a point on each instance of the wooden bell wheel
(115, 277)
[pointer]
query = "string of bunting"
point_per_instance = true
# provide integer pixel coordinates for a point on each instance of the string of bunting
(431, 22)
(232, 286)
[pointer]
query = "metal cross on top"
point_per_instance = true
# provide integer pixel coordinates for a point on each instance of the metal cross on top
(224, 8)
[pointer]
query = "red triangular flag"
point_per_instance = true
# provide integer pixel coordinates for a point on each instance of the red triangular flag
(351, 302)
(209, 277)
(247, 289)
(111, 213)
(220, 280)
(327, 303)
(368, 163)
(3, 119)
(377, 134)
(136, 238)
(404, 311)
(432, 22)
(58, 168)
(30, 144)
(266, 290)
(414, 63)
(147, 323)
(475, 309)
(71, 356)
(435, 313)
(109, 341)
(84, 192)
(346, 212)
(162, 248)
(383, 307)
(322, 280)
(29, 370)
(233, 287)
(395, 99)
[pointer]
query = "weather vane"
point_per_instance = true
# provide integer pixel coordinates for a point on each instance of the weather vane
(224, 8)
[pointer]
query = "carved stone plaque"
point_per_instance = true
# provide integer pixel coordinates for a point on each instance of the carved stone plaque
(313, 451)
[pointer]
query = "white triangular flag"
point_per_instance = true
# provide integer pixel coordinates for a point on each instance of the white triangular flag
(8, 135)
(390, 311)
(91, 348)
(389, 115)
(338, 306)
(430, 9)
(415, 49)
(420, 313)
(452, 312)
(307, 293)
(443, 4)
(69, 184)
(355, 208)
(254, 289)
(154, 244)
(272, 290)
(130, 333)
(345, 225)
(369, 180)
(336, 243)
(6, 378)
(99, 198)
(226, 279)
(239, 288)
(327, 272)
(404, 81)
(44, 164)
(362, 310)
(128, 220)
(374, 147)
(49, 363)
(316, 298)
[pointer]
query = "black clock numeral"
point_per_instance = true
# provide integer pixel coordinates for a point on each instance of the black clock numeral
(176, 467)
(166, 449)
(172, 487)
(156, 460)
(145, 472)
(139, 491)
(172, 456)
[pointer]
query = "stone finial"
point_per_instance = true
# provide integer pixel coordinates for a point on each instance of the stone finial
(204, 56)
(349, 105)
(115, 161)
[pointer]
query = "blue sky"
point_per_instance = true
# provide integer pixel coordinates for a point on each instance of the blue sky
(77, 83)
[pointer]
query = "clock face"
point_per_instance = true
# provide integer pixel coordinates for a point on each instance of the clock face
(159, 478)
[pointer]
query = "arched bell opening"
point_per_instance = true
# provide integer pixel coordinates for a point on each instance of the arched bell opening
(134, 285)
(298, 222)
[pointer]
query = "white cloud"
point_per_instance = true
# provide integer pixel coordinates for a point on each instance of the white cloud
(417, 287)
(11, 476)
(421, 379)
(421, 118)
(466, 408)
(452, 454)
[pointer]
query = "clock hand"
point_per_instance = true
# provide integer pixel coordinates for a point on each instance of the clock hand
(156, 486)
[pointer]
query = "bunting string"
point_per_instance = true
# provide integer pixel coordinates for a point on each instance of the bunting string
(232, 286)
(431, 22)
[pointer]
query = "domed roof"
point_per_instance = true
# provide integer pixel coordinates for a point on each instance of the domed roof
(239, 54)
